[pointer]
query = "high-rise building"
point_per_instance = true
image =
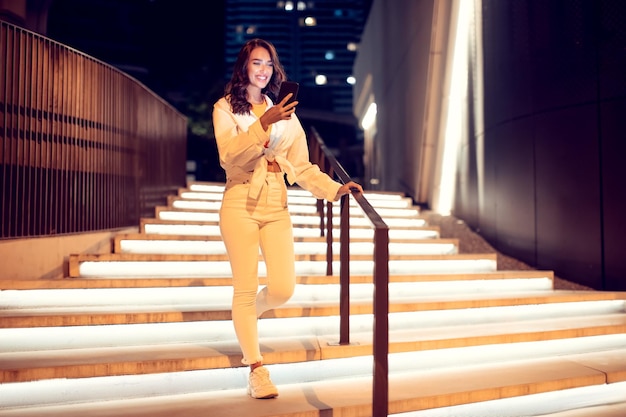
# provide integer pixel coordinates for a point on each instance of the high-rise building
(316, 41)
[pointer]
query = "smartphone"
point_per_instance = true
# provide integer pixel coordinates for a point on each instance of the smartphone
(288, 87)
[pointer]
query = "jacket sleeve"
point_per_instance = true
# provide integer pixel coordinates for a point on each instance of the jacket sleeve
(308, 175)
(236, 144)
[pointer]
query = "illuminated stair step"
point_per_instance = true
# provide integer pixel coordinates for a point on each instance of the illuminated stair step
(426, 329)
(313, 220)
(399, 203)
(214, 206)
(590, 401)
(85, 283)
(418, 380)
(293, 208)
(114, 265)
(300, 258)
(153, 226)
(147, 245)
(218, 189)
(455, 294)
(114, 356)
(115, 306)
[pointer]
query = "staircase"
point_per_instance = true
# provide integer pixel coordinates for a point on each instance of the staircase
(146, 330)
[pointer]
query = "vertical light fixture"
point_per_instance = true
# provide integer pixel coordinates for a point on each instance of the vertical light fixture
(456, 113)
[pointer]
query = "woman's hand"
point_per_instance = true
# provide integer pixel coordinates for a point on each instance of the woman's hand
(278, 112)
(348, 187)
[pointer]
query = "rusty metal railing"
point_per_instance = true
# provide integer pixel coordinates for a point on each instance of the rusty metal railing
(83, 147)
(329, 164)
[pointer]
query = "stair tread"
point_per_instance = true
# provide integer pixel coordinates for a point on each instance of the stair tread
(408, 391)
(200, 228)
(304, 239)
(110, 347)
(354, 226)
(181, 300)
(84, 283)
(186, 258)
(185, 266)
(103, 315)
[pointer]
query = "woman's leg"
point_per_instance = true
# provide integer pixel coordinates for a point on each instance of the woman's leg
(276, 236)
(240, 232)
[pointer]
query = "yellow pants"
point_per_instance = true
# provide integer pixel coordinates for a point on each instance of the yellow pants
(247, 225)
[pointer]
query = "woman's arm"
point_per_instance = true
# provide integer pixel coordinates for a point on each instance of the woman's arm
(235, 145)
(308, 175)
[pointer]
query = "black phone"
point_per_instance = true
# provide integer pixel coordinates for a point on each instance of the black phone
(288, 87)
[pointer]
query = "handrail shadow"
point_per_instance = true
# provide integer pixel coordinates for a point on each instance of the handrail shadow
(327, 162)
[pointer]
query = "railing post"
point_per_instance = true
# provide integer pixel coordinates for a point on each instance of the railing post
(380, 402)
(329, 237)
(320, 211)
(344, 271)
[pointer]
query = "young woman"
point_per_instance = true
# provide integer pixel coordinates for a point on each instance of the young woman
(260, 142)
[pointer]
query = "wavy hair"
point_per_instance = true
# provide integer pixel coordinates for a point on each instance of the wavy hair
(236, 91)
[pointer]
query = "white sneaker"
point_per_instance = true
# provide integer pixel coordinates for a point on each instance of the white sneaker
(260, 385)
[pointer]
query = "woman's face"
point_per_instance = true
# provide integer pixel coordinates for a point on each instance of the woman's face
(260, 68)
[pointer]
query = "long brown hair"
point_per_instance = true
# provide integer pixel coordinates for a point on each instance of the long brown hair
(235, 90)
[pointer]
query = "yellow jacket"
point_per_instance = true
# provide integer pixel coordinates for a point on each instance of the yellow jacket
(240, 143)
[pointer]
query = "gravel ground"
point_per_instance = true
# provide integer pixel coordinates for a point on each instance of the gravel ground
(472, 242)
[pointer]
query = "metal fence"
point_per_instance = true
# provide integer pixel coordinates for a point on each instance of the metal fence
(84, 147)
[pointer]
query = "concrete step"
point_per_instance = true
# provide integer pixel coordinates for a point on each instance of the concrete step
(155, 309)
(97, 349)
(214, 205)
(85, 283)
(418, 381)
(155, 226)
(300, 197)
(298, 219)
(140, 265)
(63, 307)
(299, 222)
(201, 245)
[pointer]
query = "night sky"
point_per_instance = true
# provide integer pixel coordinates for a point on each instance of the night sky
(175, 47)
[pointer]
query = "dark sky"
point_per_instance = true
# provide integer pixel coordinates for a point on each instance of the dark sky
(175, 47)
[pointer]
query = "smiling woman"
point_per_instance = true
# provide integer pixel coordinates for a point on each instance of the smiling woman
(259, 142)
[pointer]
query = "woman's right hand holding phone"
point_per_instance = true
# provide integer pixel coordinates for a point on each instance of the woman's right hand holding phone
(278, 112)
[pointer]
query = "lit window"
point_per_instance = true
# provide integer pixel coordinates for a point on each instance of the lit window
(329, 55)
(289, 6)
(301, 5)
(320, 79)
(352, 46)
(310, 21)
(351, 80)
(251, 30)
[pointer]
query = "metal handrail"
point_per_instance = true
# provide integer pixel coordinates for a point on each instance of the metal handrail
(329, 164)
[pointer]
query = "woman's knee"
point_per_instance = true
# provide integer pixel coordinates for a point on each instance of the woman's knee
(273, 296)
(282, 294)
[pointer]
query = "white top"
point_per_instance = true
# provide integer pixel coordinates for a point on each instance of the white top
(240, 142)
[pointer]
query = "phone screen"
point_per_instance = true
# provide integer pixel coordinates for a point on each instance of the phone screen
(288, 87)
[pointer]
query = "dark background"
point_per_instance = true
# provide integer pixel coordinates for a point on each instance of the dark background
(176, 49)
(554, 138)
